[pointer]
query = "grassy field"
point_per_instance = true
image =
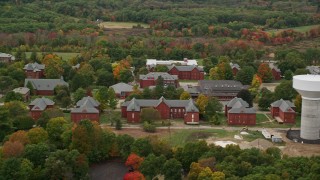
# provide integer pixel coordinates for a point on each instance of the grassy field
(63, 55)
(301, 29)
(122, 25)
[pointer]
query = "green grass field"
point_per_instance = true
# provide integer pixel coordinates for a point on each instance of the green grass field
(63, 55)
(122, 25)
(301, 29)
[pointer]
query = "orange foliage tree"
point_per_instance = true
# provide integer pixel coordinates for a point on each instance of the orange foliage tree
(134, 161)
(265, 73)
(135, 175)
(20, 136)
(12, 149)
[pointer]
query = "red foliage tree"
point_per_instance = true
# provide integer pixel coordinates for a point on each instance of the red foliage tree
(135, 175)
(134, 161)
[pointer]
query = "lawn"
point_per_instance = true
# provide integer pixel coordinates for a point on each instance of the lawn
(122, 25)
(261, 118)
(301, 29)
(63, 55)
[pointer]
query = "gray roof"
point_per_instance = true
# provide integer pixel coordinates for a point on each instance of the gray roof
(136, 104)
(235, 65)
(4, 55)
(21, 90)
(284, 105)
(185, 68)
(40, 104)
(34, 67)
(155, 75)
(45, 84)
(273, 66)
(242, 110)
(237, 103)
(220, 87)
(86, 105)
(313, 69)
(122, 87)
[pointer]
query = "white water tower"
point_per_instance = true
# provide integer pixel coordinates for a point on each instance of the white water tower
(308, 87)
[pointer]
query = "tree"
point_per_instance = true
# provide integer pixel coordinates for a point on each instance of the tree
(245, 75)
(285, 91)
(202, 102)
(126, 76)
(265, 73)
(133, 175)
(20, 136)
(172, 169)
(288, 75)
(5, 123)
(141, 147)
(102, 96)
(124, 143)
(7, 84)
(149, 115)
(37, 135)
(266, 98)
(55, 128)
(185, 95)
(246, 96)
(30, 86)
(12, 149)
(13, 96)
(152, 166)
(298, 103)
(161, 68)
(37, 153)
(49, 114)
(16, 168)
(80, 81)
(134, 161)
(112, 98)
(23, 122)
(105, 78)
(79, 94)
(62, 95)
(213, 107)
(255, 84)
(147, 93)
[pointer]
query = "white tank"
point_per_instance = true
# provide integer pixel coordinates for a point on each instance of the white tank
(308, 87)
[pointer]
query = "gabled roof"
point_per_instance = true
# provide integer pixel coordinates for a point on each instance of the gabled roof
(21, 90)
(237, 103)
(272, 66)
(122, 87)
(185, 68)
(235, 65)
(136, 104)
(86, 105)
(220, 87)
(155, 75)
(40, 104)
(186, 61)
(34, 67)
(45, 84)
(4, 55)
(242, 110)
(284, 105)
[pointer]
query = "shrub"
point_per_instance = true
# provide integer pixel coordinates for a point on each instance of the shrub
(148, 127)
(118, 124)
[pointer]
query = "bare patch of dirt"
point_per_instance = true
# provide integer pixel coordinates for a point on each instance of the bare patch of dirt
(293, 149)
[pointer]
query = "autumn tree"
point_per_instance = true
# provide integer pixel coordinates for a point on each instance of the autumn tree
(55, 128)
(255, 84)
(185, 95)
(134, 161)
(20, 136)
(12, 149)
(265, 73)
(202, 102)
(37, 135)
(53, 65)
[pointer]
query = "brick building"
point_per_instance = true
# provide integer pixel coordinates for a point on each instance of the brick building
(25, 92)
(239, 113)
(34, 70)
(169, 109)
(151, 78)
(187, 72)
(6, 58)
(86, 108)
(122, 90)
(283, 111)
(235, 68)
(44, 86)
(39, 105)
(221, 89)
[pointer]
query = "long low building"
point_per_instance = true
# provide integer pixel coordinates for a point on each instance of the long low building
(44, 86)
(168, 109)
(150, 79)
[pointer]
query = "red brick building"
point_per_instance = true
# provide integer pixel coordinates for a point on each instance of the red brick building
(239, 113)
(187, 72)
(45, 87)
(39, 105)
(276, 73)
(6, 58)
(34, 70)
(86, 108)
(169, 109)
(122, 90)
(150, 79)
(25, 92)
(283, 111)
(235, 68)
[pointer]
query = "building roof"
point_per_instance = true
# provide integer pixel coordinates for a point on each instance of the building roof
(243, 110)
(235, 65)
(45, 84)
(122, 87)
(40, 104)
(77, 66)
(185, 68)
(237, 103)
(86, 105)
(272, 66)
(155, 75)
(284, 105)
(21, 90)
(188, 62)
(34, 67)
(4, 55)
(220, 87)
(136, 104)
(313, 69)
